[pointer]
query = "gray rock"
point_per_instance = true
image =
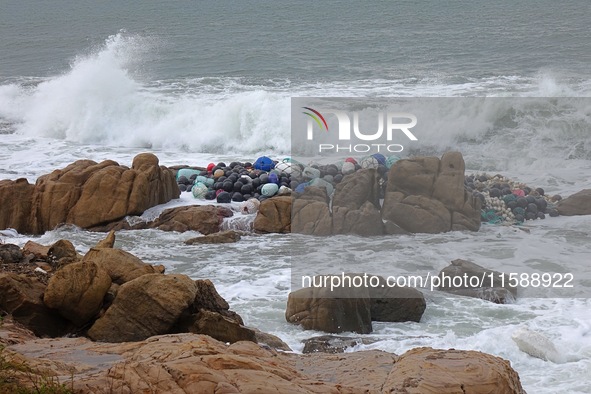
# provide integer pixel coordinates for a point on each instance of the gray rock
(491, 282)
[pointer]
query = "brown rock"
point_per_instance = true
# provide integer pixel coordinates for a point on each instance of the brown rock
(116, 192)
(418, 214)
(492, 283)
(120, 265)
(355, 373)
(467, 218)
(190, 363)
(62, 253)
(274, 215)
(332, 344)
(221, 328)
(314, 193)
(208, 298)
(396, 304)
(577, 204)
(108, 242)
(144, 161)
(427, 195)
(86, 194)
(273, 341)
(111, 294)
(206, 219)
(311, 217)
(317, 308)
(427, 370)
(197, 364)
(146, 306)
(449, 184)
(357, 189)
(414, 176)
(40, 251)
(365, 221)
(17, 199)
(23, 298)
(222, 237)
(77, 291)
(62, 249)
(10, 254)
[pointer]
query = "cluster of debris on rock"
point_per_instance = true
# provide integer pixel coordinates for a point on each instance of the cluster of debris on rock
(505, 201)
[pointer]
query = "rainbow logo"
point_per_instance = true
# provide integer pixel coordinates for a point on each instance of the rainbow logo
(317, 116)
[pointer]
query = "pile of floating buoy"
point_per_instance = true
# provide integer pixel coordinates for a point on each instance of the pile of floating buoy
(504, 201)
(236, 182)
(265, 178)
(509, 202)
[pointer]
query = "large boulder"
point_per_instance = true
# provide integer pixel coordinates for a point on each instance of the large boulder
(426, 370)
(10, 254)
(22, 297)
(310, 213)
(206, 219)
(417, 214)
(396, 303)
(345, 304)
(449, 183)
(207, 299)
(357, 189)
(427, 195)
(414, 176)
(39, 251)
(274, 215)
(467, 218)
(86, 194)
(77, 291)
(17, 200)
(120, 265)
(62, 252)
(146, 306)
(319, 308)
(577, 204)
(221, 328)
(466, 278)
(365, 221)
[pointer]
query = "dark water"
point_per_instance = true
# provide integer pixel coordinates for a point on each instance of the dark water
(307, 41)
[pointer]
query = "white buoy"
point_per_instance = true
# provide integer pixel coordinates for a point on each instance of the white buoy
(536, 345)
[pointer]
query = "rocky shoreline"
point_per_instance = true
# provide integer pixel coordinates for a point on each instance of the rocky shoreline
(108, 322)
(418, 195)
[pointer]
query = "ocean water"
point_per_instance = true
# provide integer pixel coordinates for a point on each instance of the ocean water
(196, 82)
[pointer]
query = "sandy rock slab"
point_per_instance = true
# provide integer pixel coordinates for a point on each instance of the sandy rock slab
(191, 363)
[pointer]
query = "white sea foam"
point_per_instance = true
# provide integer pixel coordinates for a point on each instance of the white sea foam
(104, 100)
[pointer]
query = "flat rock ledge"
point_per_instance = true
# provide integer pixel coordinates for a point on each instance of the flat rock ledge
(192, 363)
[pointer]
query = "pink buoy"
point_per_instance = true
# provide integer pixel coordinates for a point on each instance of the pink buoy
(519, 193)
